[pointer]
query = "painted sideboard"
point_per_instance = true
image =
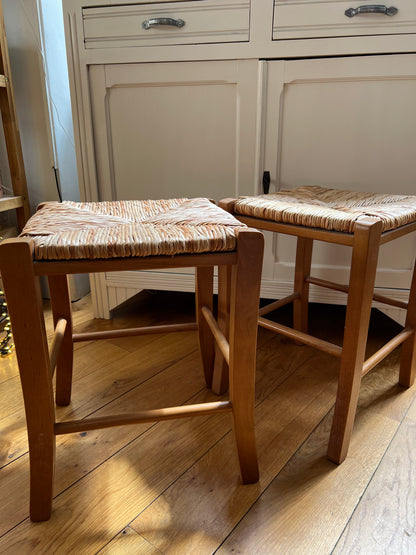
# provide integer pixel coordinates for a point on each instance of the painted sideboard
(200, 98)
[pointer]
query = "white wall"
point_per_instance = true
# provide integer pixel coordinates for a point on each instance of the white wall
(59, 96)
(40, 81)
(23, 37)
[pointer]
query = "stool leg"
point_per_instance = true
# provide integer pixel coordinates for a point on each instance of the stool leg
(360, 295)
(245, 292)
(26, 314)
(61, 308)
(204, 279)
(302, 271)
(408, 357)
(220, 379)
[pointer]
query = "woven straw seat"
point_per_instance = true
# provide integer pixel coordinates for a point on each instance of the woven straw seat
(90, 230)
(71, 238)
(364, 222)
(330, 209)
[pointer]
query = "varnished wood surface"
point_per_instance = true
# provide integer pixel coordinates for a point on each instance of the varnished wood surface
(173, 487)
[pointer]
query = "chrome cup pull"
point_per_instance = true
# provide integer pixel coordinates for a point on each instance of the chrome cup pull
(148, 23)
(378, 8)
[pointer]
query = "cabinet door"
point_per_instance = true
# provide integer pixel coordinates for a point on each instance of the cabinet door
(175, 129)
(169, 130)
(346, 123)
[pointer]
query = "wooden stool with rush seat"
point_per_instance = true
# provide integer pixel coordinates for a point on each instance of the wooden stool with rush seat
(66, 238)
(363, 221)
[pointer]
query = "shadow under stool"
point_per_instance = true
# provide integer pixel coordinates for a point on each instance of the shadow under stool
(363, 221)
(66, 238)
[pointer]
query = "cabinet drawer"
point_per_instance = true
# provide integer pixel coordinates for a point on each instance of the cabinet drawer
(312, 19)
(188, 22)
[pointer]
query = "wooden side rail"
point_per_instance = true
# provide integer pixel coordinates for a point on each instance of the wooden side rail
(131, 332)
(387, 349)
(305, 338)
(278, 304)
(344, 289)
(169, 413)
(57, 342)
(336, 350)
(220, 338)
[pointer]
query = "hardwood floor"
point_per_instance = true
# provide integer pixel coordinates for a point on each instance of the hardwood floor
(173, 487)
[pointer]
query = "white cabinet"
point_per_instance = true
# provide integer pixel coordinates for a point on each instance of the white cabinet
(294, 87)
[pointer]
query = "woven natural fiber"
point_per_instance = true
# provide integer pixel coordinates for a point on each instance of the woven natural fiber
(91, 230)
(330, 209)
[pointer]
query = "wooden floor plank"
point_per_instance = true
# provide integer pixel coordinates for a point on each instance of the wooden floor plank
(102, 373)
(385, 519)
(158, 473)
(311, 500)
(129, 542)
(8, 369)
(174, 487)
(204, 505)
(216, 515)
(78, 454)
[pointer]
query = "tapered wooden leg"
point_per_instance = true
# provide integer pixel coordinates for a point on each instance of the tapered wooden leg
(361, 287)
(26, 314)
(408, 357)
(220, 379)
(302, 271)
(61, 308)
(204, 290)
(245, 292)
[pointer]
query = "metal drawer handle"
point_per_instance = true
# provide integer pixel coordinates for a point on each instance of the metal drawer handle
(162, 21)
(351, 12)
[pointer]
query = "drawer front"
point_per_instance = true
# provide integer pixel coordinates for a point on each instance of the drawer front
(168, 23)
(312, 19)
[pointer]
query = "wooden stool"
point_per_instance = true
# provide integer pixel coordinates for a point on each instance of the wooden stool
(62, 239)
(363, 221)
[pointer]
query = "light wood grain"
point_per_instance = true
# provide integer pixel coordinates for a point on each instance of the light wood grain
(129, 542)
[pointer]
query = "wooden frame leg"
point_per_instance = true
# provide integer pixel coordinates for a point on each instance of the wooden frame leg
(61, 308)
(408, 356)
(245, 292)
(302, 271)
(361, 287)
(26, 314)
(220, 379)
(204, 291)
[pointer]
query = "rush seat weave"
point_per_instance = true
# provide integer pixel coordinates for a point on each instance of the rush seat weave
(331, 209)
(364, 222)
(71, 238)
(90, 230)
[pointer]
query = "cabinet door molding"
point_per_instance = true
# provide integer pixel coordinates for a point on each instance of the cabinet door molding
(185, 129)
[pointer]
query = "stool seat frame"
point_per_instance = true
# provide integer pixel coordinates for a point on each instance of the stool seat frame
(230, 339)
(365, 242)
